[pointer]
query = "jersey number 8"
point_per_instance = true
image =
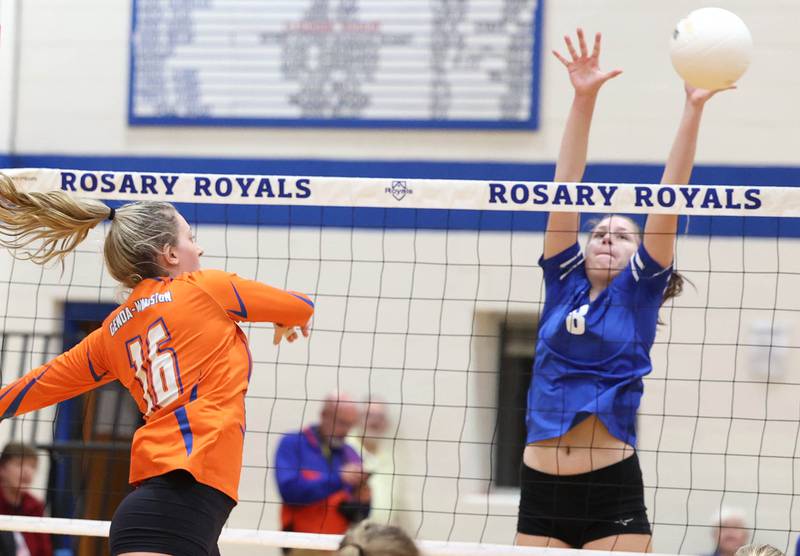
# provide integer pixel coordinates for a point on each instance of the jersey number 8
(576, 321)
(159, 375)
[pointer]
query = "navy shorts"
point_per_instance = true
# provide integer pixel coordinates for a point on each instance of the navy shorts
(578, 509)
(171, 514)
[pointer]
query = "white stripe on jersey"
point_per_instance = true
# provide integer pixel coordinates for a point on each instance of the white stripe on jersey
(570, 261)
(575, 265)
(638, 260)
(637, 264)
(634, 270)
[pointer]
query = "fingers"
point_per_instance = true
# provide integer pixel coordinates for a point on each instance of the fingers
(596, 49)
(571, 48)
(582, 43)
(584, 50)
(283, 332)
(700, 96)
(710, 94)
(611, 74)
(561, 58)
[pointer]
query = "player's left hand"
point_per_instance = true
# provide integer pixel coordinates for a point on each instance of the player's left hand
(698, 97)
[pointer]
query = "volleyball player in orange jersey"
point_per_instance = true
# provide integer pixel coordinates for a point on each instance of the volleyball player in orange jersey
(174, 344)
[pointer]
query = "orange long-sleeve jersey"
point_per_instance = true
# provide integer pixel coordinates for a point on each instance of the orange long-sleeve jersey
(176, 346)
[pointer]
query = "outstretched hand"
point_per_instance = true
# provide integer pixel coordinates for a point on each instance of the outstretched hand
(698, 97)
(584, 68)
(289, 333)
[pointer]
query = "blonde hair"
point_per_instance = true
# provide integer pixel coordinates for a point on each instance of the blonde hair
(56, 223)
(372, 539)
(758, 550)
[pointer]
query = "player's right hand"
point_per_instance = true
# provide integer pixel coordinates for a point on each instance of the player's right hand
(584, 67)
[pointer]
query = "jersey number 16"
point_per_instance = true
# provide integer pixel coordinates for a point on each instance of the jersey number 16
(159, 375)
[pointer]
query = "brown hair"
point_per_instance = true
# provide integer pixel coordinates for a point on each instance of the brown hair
(372, 539)
(676, 279)
(18, 450)
(57, 223)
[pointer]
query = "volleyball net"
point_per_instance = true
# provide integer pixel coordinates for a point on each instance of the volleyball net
(428, 295)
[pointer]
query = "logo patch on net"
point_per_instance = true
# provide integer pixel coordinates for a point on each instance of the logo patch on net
(399, 190)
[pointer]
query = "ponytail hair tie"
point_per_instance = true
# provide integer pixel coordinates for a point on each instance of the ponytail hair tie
(112, 213)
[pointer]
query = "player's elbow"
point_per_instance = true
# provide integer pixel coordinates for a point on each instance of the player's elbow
(304, 307)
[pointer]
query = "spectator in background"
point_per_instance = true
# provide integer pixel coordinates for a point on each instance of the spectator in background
(729, 530)
(320, 477)
(373, 539)
(378, 461)
(18, 465)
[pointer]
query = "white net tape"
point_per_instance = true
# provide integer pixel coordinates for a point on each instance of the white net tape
(249, 537)
(416, 193)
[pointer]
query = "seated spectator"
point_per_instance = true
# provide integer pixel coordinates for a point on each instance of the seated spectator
(373, 443)
(373, 539)
(729, 530)
(320, 477)
(18, 465)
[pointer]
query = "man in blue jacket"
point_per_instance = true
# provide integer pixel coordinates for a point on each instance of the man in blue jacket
(320, 478)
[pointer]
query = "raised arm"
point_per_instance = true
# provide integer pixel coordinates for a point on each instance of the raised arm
(586, 79)
(72, 373)
(660, 230)
(249, 300)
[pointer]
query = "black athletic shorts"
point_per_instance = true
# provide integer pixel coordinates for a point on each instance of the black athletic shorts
(171, 514)
(578, 509)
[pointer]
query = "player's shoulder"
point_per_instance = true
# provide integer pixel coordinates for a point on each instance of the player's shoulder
(292, 438)
(205, 275)
(641, 269)
(208, 280)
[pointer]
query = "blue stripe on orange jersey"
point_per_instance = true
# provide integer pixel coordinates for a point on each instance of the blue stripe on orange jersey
(303, 299)
(95, 376)
(12, 408)
(186, 429)
(242, 312)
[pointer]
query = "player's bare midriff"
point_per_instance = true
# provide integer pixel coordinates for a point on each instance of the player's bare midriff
(586, 447)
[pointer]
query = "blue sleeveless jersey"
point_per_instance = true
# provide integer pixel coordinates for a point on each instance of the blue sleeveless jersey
(591, 356)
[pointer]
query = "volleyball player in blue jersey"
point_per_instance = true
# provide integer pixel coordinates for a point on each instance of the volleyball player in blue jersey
(581, 479)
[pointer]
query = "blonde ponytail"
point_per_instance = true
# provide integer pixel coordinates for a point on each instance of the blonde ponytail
(53, 222)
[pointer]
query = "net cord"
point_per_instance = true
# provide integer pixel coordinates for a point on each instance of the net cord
(499, 195)
(253, 537)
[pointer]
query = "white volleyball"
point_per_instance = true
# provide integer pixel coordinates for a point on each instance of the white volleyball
(711, 48)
